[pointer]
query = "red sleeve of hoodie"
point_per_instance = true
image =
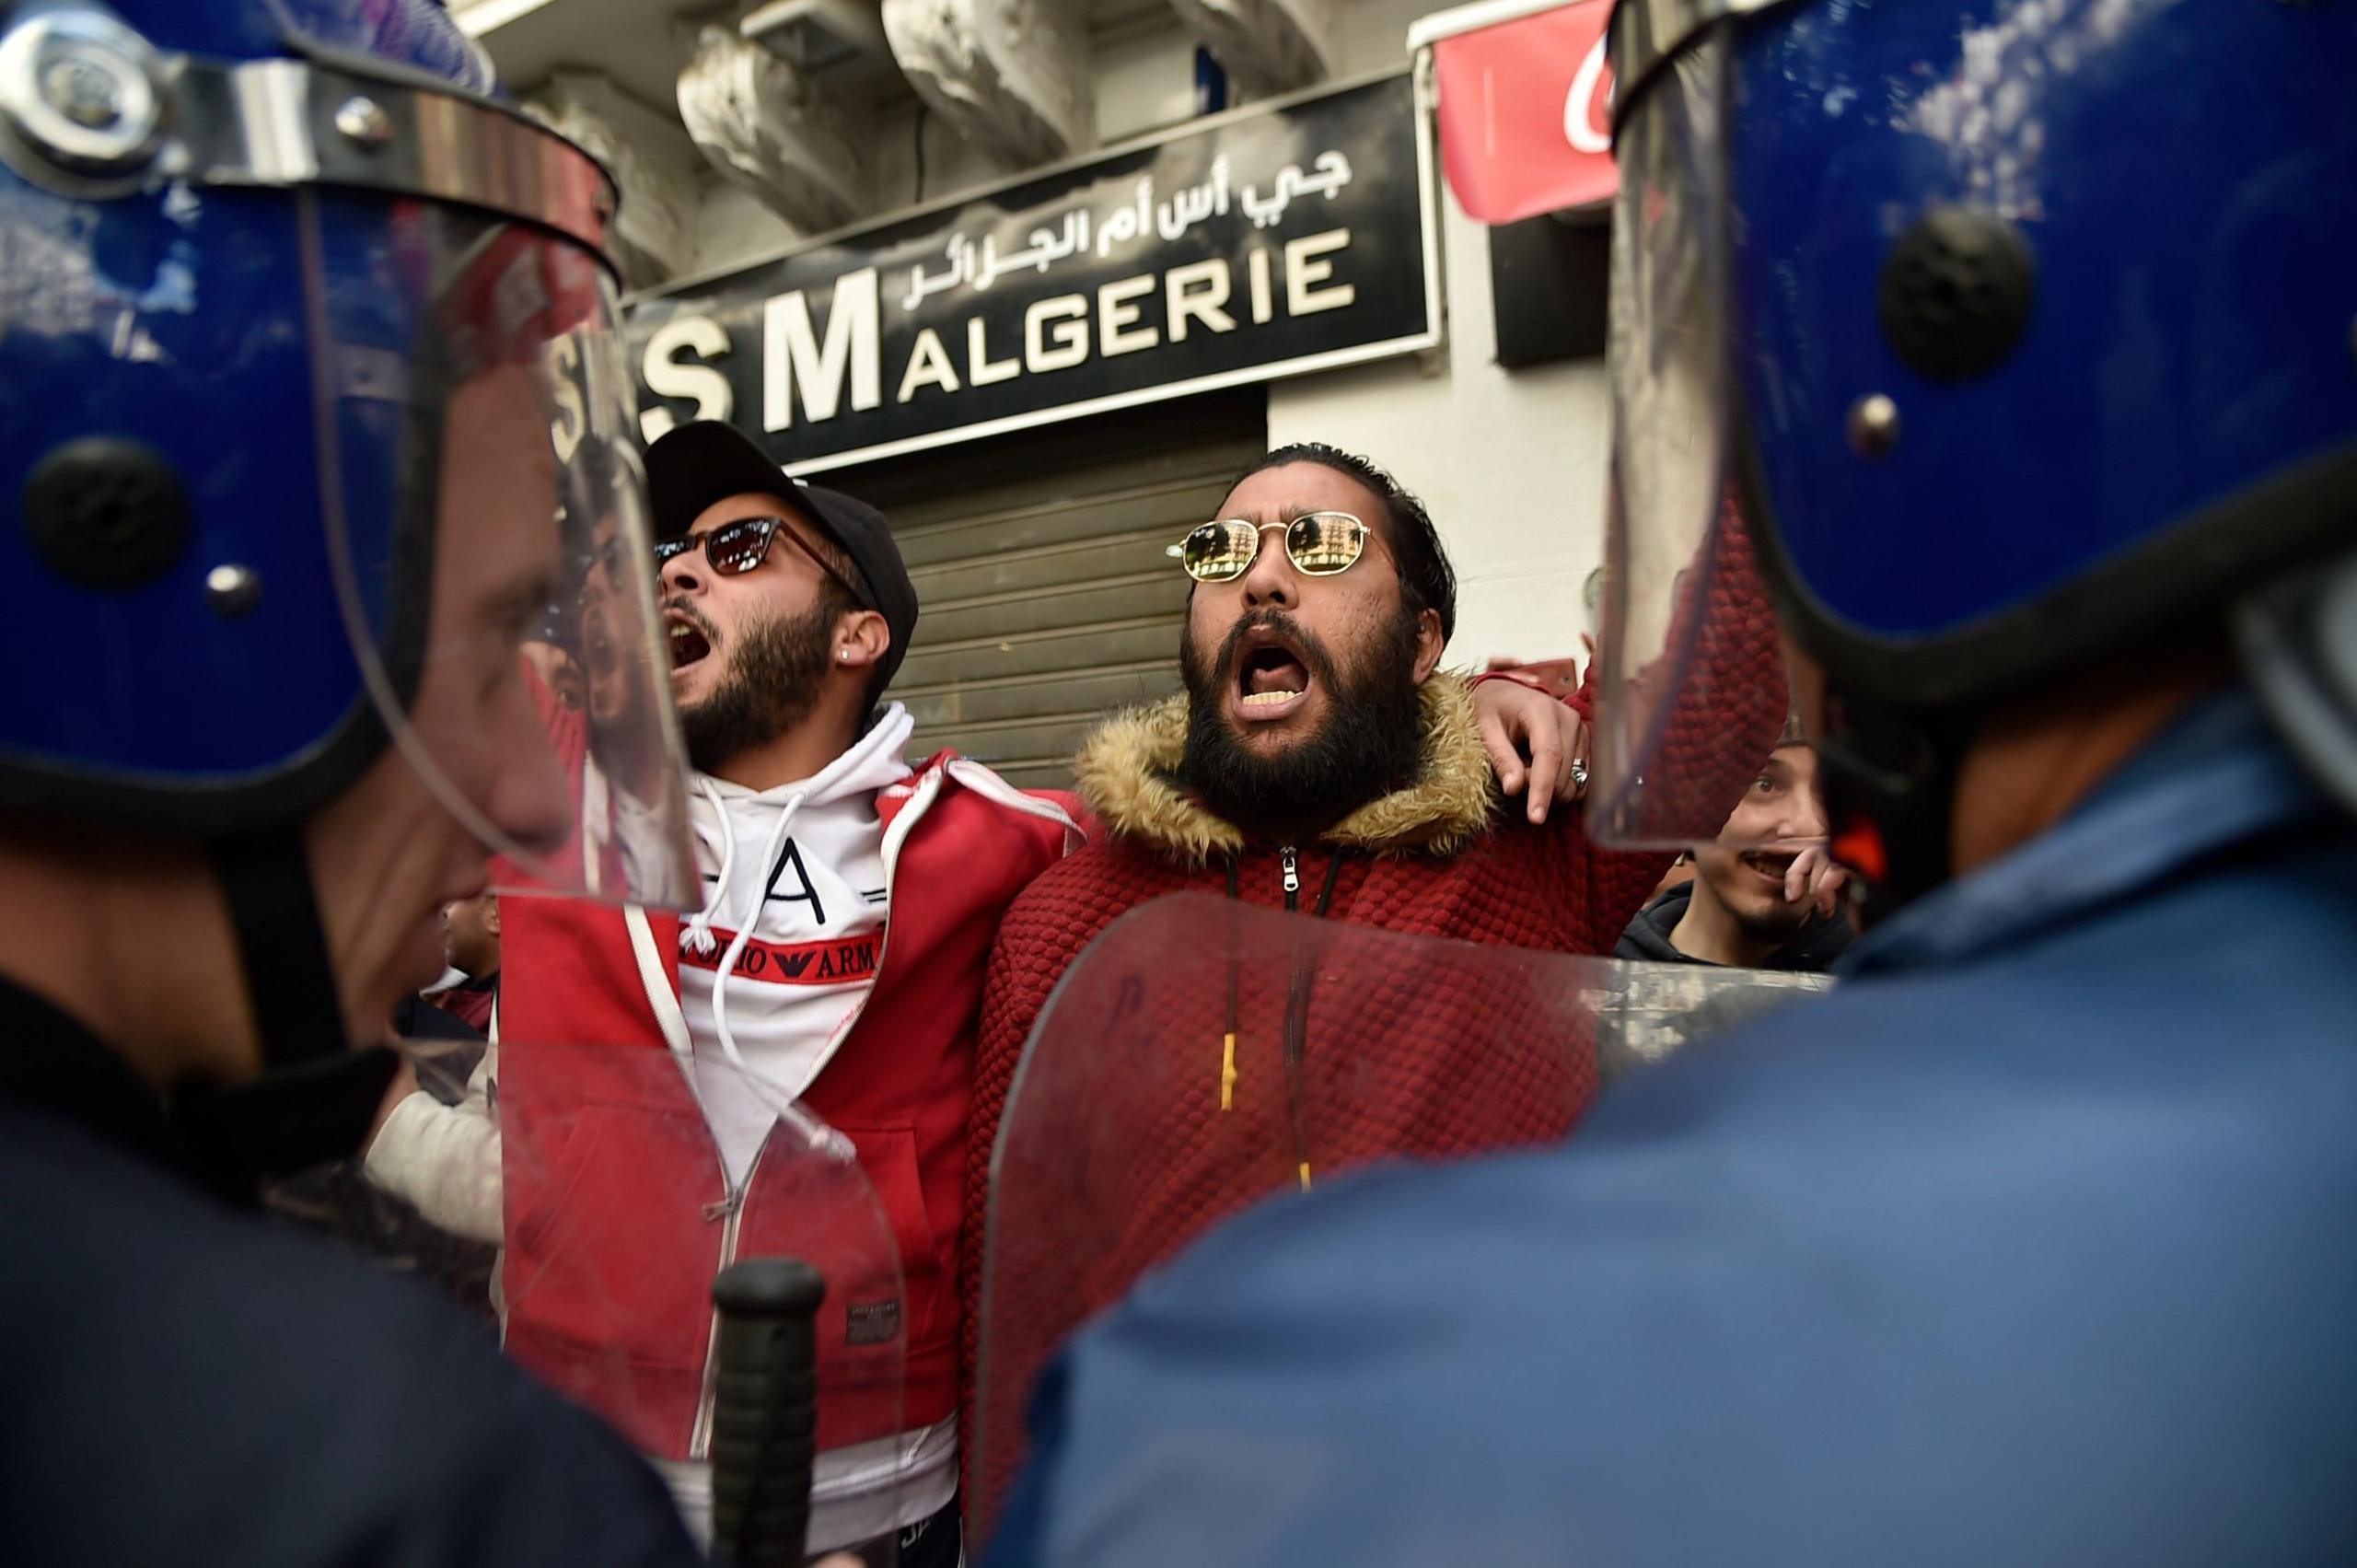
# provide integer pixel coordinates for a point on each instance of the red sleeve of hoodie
(1071, 805)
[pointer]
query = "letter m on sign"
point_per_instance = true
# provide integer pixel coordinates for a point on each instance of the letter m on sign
(793, 354)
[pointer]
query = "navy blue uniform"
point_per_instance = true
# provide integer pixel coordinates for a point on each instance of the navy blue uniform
(2036, 1243)
(181, 1384)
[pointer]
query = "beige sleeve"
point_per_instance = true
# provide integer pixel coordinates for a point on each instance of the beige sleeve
(444, 1158)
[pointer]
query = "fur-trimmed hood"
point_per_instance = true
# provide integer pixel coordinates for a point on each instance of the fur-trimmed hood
(1127, 776)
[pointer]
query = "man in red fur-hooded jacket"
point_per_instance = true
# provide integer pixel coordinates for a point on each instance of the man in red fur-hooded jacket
(1320, 762)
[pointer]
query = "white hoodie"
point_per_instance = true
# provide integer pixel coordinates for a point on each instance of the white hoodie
(778, 964)
(774, 971)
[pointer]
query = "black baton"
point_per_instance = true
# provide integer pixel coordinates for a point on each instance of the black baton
(765, 1410)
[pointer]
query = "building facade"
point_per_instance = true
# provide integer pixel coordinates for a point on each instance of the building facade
(801, 137)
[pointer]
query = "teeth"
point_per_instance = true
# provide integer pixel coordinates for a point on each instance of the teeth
(1269, 699)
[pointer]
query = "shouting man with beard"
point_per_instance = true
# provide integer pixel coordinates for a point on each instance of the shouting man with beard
(1318, 760)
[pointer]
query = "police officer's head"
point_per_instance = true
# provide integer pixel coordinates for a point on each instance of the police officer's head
(2023, 335)
(303, 339)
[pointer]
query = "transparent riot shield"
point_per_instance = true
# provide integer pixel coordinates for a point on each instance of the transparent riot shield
(577, 1201)
(1203, 1055)
(1645, 1011)
(1693, 688)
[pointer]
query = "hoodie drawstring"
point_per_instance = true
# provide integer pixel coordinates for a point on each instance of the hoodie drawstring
(696, 935)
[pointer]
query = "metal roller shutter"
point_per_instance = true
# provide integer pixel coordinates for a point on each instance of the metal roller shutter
(1048, 601)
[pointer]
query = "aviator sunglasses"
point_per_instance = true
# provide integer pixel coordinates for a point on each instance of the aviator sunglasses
(735, 548)
(1317, 543)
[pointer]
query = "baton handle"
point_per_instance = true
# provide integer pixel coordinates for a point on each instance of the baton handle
(765, 1410)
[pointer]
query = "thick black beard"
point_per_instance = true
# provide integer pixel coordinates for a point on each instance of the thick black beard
(1371, 741)
(774, 681)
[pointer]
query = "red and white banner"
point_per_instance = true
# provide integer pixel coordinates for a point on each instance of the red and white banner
(1525, 120)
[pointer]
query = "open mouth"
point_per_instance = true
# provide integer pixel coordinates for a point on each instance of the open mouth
(1771, 863)
(1271, 677)
(689, 640)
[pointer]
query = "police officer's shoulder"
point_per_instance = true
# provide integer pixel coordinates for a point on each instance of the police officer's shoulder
(185, 1383)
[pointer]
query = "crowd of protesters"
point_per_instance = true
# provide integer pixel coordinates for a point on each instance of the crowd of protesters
(1318, 757)
(879, 931)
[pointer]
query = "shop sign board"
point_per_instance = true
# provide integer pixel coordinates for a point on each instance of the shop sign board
(1263, 243)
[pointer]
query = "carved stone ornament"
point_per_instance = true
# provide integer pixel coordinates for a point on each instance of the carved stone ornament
(652, 237)
(773, 130)
(1012, 75)
(1268, 46)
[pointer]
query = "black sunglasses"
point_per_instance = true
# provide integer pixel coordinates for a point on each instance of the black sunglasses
(735, 548)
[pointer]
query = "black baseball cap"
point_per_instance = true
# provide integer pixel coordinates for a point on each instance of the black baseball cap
(693, 465)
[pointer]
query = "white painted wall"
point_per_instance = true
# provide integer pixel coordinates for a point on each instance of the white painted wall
(1510, 465)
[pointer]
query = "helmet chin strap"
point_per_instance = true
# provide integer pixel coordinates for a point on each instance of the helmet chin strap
(1888, 775)
(315, 1098)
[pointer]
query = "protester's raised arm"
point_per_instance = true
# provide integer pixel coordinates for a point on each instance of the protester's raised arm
(1536, 743)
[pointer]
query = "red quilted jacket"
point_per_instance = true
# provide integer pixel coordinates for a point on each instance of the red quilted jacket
(1401, 1063)
(1435, 859)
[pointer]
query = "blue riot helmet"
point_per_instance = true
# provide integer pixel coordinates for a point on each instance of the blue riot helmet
(312, 406)
(2023, 332)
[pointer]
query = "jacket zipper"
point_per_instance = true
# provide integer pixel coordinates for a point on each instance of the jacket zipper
(730, 1209)
(1291, 859)
(730, 1212)
(1296, 1000)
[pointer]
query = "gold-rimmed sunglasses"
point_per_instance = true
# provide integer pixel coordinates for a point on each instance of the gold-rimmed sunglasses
(1317, 543)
